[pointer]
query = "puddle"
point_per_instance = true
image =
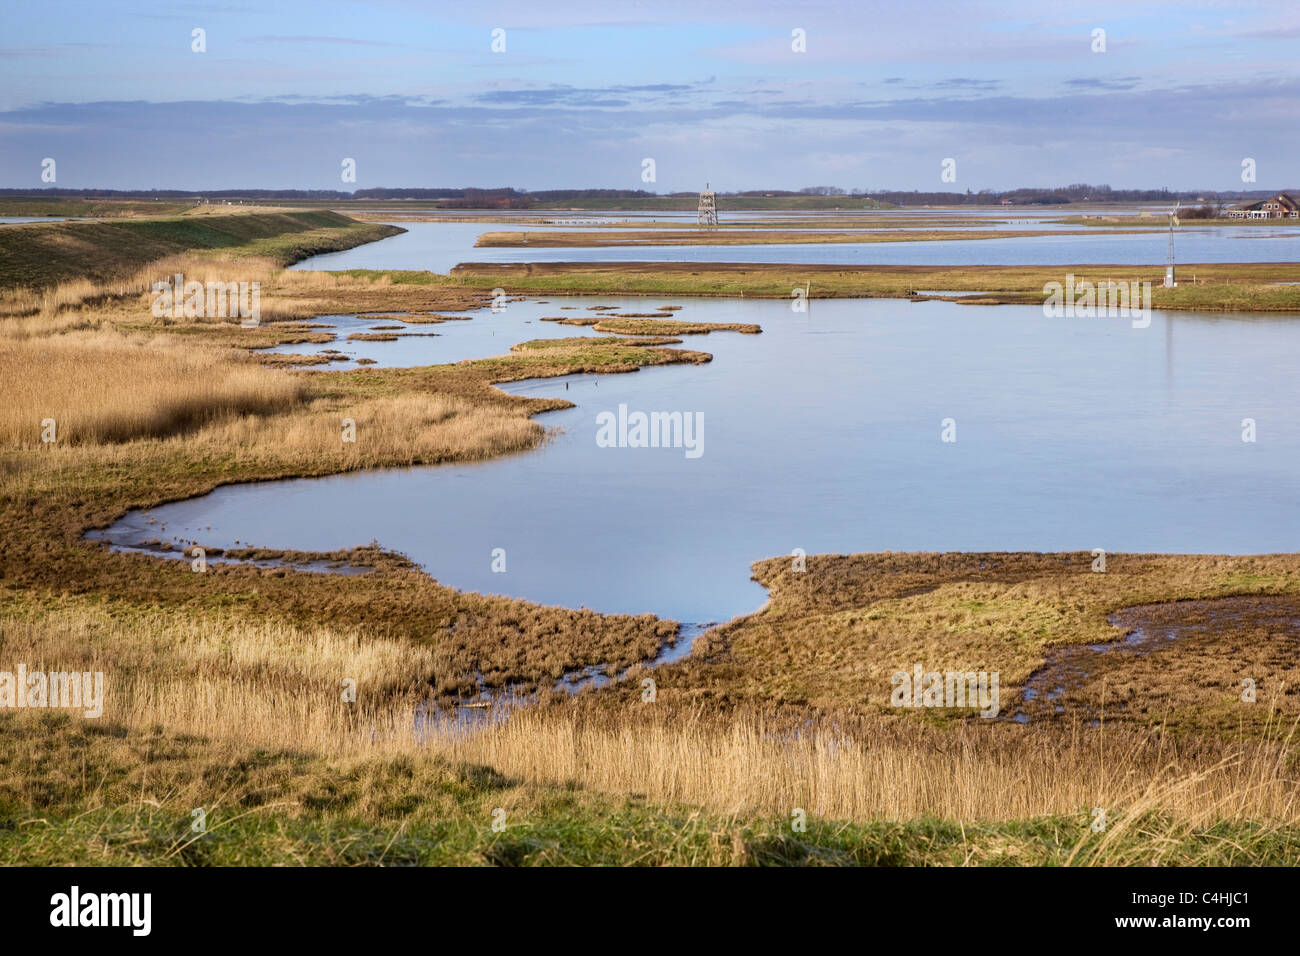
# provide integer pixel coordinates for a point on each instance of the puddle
(1069, 666)
(135, 534)
(491, 707)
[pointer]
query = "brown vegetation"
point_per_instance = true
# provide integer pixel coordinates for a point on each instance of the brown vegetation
(831, 637)
(628, 325)
(108, 387)
(239, 680)
(1234, 286)
(149, 410)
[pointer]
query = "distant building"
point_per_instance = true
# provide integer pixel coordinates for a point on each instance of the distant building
(1281, 206)
(1006, 202)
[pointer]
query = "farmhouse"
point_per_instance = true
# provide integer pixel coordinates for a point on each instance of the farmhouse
(1281, 206)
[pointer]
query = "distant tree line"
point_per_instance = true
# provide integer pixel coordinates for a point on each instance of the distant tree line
(512, 198)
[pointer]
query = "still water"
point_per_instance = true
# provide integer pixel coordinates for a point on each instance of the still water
(436, 343)
(438, 247)
(825, 433)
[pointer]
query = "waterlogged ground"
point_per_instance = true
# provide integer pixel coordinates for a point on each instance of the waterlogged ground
(825, 433)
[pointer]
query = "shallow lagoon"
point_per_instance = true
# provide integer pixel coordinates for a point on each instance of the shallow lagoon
(824, 433)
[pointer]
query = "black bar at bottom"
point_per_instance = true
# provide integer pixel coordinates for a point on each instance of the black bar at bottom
(302, 906)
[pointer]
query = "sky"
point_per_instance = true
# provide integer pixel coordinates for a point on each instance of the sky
(1177, 93)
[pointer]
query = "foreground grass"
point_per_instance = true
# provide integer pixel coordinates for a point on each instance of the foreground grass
(716, 736)
(568, 829)
(99, 794)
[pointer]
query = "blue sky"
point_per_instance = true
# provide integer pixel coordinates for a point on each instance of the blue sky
(1012, 90)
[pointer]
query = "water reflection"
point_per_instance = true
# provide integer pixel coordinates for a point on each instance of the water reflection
(823, 433)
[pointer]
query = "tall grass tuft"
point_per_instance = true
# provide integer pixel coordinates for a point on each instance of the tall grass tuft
(103, 386)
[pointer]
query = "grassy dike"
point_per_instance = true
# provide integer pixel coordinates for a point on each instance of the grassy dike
(41, 255)
(90, 208)
(223, 687)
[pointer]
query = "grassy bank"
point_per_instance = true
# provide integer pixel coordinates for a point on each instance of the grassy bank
(41, 255)
(90, 208)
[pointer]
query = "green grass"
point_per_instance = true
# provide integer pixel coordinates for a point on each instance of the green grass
(1215, 287)
(90, 794)
(398, 276)
(563, 828)
(90, 208)
(40, 255)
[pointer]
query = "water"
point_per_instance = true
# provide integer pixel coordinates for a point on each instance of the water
(438, 247)
(1068, 667)
(5, 220)
(824, 433)
(486, 333)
